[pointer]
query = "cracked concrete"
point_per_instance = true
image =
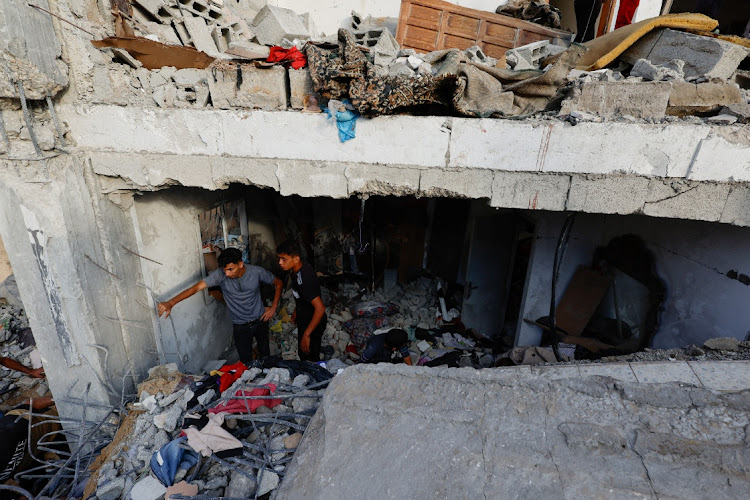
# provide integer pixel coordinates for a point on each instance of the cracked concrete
(551, 432)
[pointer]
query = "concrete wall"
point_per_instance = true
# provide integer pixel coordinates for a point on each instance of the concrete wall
(693, 259)
(199, 328)
(66, 243)
(5, 269)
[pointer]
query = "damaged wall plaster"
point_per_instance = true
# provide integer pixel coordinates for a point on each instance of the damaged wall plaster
(199, 328)
(691, 257)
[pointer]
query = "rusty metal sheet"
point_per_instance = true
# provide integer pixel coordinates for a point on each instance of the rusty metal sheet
(155, 55)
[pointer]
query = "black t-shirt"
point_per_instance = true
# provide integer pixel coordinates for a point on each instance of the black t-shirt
(306, 287)
(12, 443)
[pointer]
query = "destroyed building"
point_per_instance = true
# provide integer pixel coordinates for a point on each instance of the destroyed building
(451, 164)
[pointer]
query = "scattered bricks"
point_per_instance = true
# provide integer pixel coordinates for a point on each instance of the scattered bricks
(477, 55)
(182, 32)
(154, 7)
(263, 88)
(300, 86)
(704, 56)
(201, 35)
(527, 57)
(202, 9)
(272, 24)
(610, 99)
(222, 37)
(687, 99)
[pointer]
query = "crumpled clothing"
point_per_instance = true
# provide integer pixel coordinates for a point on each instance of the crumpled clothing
(346, 122)
(170, 458)
(361, 329)
(243, 405)
(347, 73)
(533, 12)
(230, 373)
(212, 438)
(457, 341)
(471, 89)
(373, 309)
(297, 59)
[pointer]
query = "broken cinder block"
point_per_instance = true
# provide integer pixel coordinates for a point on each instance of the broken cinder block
(610, 99)
(262, 88)
(704, 56)
(687, 99)
(273, 24)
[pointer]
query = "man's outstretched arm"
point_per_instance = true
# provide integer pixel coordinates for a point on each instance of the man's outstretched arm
(165, 308)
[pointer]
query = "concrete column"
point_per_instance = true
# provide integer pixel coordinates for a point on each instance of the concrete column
(80, 286)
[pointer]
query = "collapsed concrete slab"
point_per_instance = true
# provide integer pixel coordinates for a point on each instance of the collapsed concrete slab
(528, 432)
(704, 56)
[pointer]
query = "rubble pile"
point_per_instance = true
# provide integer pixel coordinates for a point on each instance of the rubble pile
(186, 435)
(666, 73)
(17, 344)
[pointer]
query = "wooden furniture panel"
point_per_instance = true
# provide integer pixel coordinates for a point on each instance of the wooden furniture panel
(427, 25)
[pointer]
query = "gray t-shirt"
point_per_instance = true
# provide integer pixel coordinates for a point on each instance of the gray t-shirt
(242, 295)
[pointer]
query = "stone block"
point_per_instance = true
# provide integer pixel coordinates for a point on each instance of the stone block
(740, 109)
(200, 34)
(530, 190)
(611, 99)
(248, 50)
(273, 24)
(685, 200)
(673, 70)
(300, 86)
(385, 50)
(607, 195)
(465, 183)
(703, 56)
(148, 488)
(382, 180)
(262, 88)
(687, 99)
(201, 8)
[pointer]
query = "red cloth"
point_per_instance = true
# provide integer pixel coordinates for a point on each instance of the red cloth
(242, 405)
(626, 12)
(230, 374)
(279, 54)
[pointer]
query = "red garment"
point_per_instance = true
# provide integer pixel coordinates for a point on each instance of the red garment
(297, 58)
(626, 12)
(242, 405)
(230, 374)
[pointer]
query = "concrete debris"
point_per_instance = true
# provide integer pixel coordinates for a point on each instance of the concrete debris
(270, 435)
(385, 50)
(269, 87)
(704, 56)
(531, 56)
(646, 100)
(673, 70)
(703, 98)
(273, 24)
(724, 343)
(741, 110)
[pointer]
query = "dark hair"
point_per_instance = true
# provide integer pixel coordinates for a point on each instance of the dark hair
(229, 256)
(289, 247)
(396, 337)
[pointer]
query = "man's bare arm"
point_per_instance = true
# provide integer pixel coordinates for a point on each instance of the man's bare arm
(165, 308)
(270, 311)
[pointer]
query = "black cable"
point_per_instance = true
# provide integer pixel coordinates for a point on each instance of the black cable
(562, 245)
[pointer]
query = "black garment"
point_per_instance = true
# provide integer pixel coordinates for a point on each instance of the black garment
(316, 372)
(13, 435)
(243, 340)
(306, 288)
(586, 13)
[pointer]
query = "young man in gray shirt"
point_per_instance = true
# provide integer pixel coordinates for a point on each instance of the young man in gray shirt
(240, 286)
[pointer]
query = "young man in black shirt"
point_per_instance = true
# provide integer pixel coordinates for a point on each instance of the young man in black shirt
(309, 313)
